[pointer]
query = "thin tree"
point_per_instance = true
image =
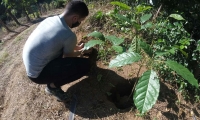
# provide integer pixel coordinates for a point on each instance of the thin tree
(9, 5)
(4, 25)
(12, 16)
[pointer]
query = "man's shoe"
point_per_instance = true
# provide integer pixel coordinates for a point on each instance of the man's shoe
(57, 92)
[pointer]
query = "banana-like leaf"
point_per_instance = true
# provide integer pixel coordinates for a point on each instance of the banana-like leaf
(121, 5)
(92, 43)
(145, 17)
(118, 49)
(146, 91)
(124, 59)
(115, 40)
(183, 72)
(97, 35)
(177, 16)
(146, 47)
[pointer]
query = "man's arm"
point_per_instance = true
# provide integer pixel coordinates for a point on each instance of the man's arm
(73, 54)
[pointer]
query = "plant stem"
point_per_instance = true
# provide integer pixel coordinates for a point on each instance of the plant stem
(136, 80)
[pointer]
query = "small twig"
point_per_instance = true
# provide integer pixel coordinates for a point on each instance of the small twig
(156, 15)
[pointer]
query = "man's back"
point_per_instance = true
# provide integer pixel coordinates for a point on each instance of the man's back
(46, 43)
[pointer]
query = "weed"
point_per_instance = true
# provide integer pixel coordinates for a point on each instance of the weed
(3, 56)
(18, 38)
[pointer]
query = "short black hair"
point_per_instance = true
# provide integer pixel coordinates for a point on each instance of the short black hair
(77, 7)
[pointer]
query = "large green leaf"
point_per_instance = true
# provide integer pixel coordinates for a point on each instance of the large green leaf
(161, 53)
(146, 47)
(97, 35)
(124, 59)
(115, 40)
(121, 5)
(145, 17)
(182, 71)
(92, 43)
(146, 91)
(147, 25)
(177, 16)
(118, 49)
(122, 18)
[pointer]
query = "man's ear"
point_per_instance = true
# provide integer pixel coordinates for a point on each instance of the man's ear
(75, 17)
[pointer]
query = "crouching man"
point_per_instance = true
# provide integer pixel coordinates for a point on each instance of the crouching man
(50, 53)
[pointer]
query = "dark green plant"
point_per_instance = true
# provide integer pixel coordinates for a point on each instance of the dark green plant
(155, 42)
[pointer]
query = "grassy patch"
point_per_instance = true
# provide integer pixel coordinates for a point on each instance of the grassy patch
(18, 38)
(3, 56)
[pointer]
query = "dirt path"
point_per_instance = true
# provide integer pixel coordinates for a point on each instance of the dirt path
(22, 99)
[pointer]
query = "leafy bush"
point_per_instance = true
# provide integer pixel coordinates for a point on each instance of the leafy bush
(160, 42)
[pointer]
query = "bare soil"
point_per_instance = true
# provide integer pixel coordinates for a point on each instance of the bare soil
(21, 99)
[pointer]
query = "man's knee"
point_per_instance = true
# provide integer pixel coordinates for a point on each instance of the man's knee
(87, 65)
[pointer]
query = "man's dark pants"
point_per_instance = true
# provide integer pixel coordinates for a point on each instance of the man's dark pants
(61, 71)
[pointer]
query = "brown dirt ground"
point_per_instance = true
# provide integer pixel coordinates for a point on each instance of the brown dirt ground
(22, 99)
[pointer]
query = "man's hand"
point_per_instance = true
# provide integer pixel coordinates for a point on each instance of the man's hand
(87, 51)
(79, 47)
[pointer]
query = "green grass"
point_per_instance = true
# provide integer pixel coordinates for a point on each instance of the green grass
(3, 56)
(18, 38)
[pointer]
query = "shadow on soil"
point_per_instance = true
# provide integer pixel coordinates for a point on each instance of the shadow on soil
(105, 93)
(169, 96)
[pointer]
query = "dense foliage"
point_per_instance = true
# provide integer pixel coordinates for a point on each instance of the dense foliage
(159, 41)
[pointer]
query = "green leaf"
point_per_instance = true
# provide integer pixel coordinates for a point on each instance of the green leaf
(115, 40)
(146, 91)
(121, 5)
(173, 50)
(92, 43)
(118, 49)
(145, 17)
(142, 8)
(198, 48)
(146, 47)
(147, 25)
(136, 26)
(134, 45)
(161, 53)
(184, 53)
(124, 59)
(177, 16)
(182, 71)
(97, 35)
(122, 18)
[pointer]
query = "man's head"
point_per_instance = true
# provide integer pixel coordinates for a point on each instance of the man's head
(76, 11)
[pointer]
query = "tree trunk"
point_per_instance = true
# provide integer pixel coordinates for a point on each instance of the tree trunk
(4, 25)
(37, 14)
(33, 15)
(39, 8)
(13, 17)
(27, 17)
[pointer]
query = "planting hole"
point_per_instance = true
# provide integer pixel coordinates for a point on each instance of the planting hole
(119, 95)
